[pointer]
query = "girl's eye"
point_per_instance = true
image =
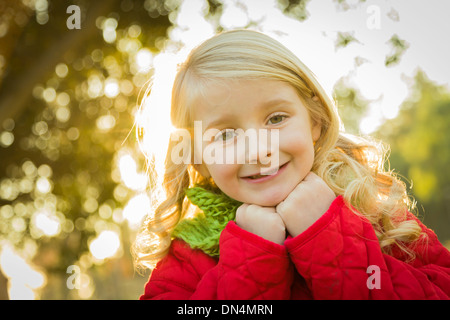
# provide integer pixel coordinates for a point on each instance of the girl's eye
(225, 135)
(276, 119)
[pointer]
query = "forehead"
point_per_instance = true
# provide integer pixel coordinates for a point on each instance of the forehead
(240, 96)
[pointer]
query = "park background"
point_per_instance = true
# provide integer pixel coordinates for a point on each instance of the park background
(73, 187)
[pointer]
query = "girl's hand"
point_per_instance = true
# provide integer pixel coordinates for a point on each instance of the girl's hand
(310, 199)
(262, 221)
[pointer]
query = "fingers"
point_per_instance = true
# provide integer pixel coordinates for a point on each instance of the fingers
(242, 208)
(262, 221)
(252, 213)
(240, 214)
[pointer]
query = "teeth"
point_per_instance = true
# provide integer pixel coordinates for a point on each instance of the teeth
(266, 174)
(262, 175)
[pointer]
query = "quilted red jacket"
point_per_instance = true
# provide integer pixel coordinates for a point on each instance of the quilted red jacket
(338, 257)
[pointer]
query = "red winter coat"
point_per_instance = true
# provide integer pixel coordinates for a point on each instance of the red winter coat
(330, 260)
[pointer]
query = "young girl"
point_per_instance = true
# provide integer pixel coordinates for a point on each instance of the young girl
(327, 221)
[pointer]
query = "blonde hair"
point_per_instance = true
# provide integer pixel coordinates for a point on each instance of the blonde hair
(351, 166)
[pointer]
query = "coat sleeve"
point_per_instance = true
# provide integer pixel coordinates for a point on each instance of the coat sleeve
(339, 256)
(249, 267)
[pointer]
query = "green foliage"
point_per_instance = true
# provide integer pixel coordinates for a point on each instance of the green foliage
(344, 39)
(68, 134)
(420, 150)
(399, 47)
(294, 8)
(352, 107)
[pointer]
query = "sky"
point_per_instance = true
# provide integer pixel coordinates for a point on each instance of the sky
(423, 26)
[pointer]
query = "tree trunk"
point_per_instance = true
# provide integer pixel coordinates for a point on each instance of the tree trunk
(3, 287)
(15, 94)
(15, 15)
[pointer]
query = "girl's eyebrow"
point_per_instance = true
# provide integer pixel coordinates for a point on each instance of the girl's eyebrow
(221, 120)
(274, 103)
(264, 107)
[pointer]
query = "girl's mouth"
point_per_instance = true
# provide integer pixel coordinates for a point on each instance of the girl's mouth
(256, 178)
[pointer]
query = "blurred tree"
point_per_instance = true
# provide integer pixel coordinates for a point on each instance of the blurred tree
(344, 39)
(14, 15)
(61, 97)
(399, 47)
(294, 8)
(352, 106)
(420, 149)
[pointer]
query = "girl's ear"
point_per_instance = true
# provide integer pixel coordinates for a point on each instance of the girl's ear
(201, 168)
(316, 129)
(316, 122)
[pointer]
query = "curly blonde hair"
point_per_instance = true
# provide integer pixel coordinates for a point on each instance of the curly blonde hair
(351, 166)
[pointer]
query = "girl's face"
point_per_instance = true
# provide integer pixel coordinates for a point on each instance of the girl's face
(267, 174)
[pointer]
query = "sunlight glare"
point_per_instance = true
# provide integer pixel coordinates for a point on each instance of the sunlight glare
(128, 172)
(144, 59)
(192, 28)
(233, 16)
(154, 116)
(23, 279)
(111, 88)
(106, 122)
(43, 185)
(369, 124)
(105, 245)
(49, 225)
(136, 209)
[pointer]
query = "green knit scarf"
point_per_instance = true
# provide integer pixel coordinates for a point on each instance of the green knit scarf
(203, 231)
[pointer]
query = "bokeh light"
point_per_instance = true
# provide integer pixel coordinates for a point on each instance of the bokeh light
(48, 224)
(129, 174)
(105, 245)
(136, 210)
(24, 279)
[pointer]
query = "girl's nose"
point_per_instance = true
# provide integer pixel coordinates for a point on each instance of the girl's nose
(264, 149)
(259, 155)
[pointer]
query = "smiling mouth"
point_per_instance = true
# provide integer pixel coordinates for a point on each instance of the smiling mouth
(266, 176)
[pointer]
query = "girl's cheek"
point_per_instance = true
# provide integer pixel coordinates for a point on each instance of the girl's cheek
(224, 171)
(290, 143)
